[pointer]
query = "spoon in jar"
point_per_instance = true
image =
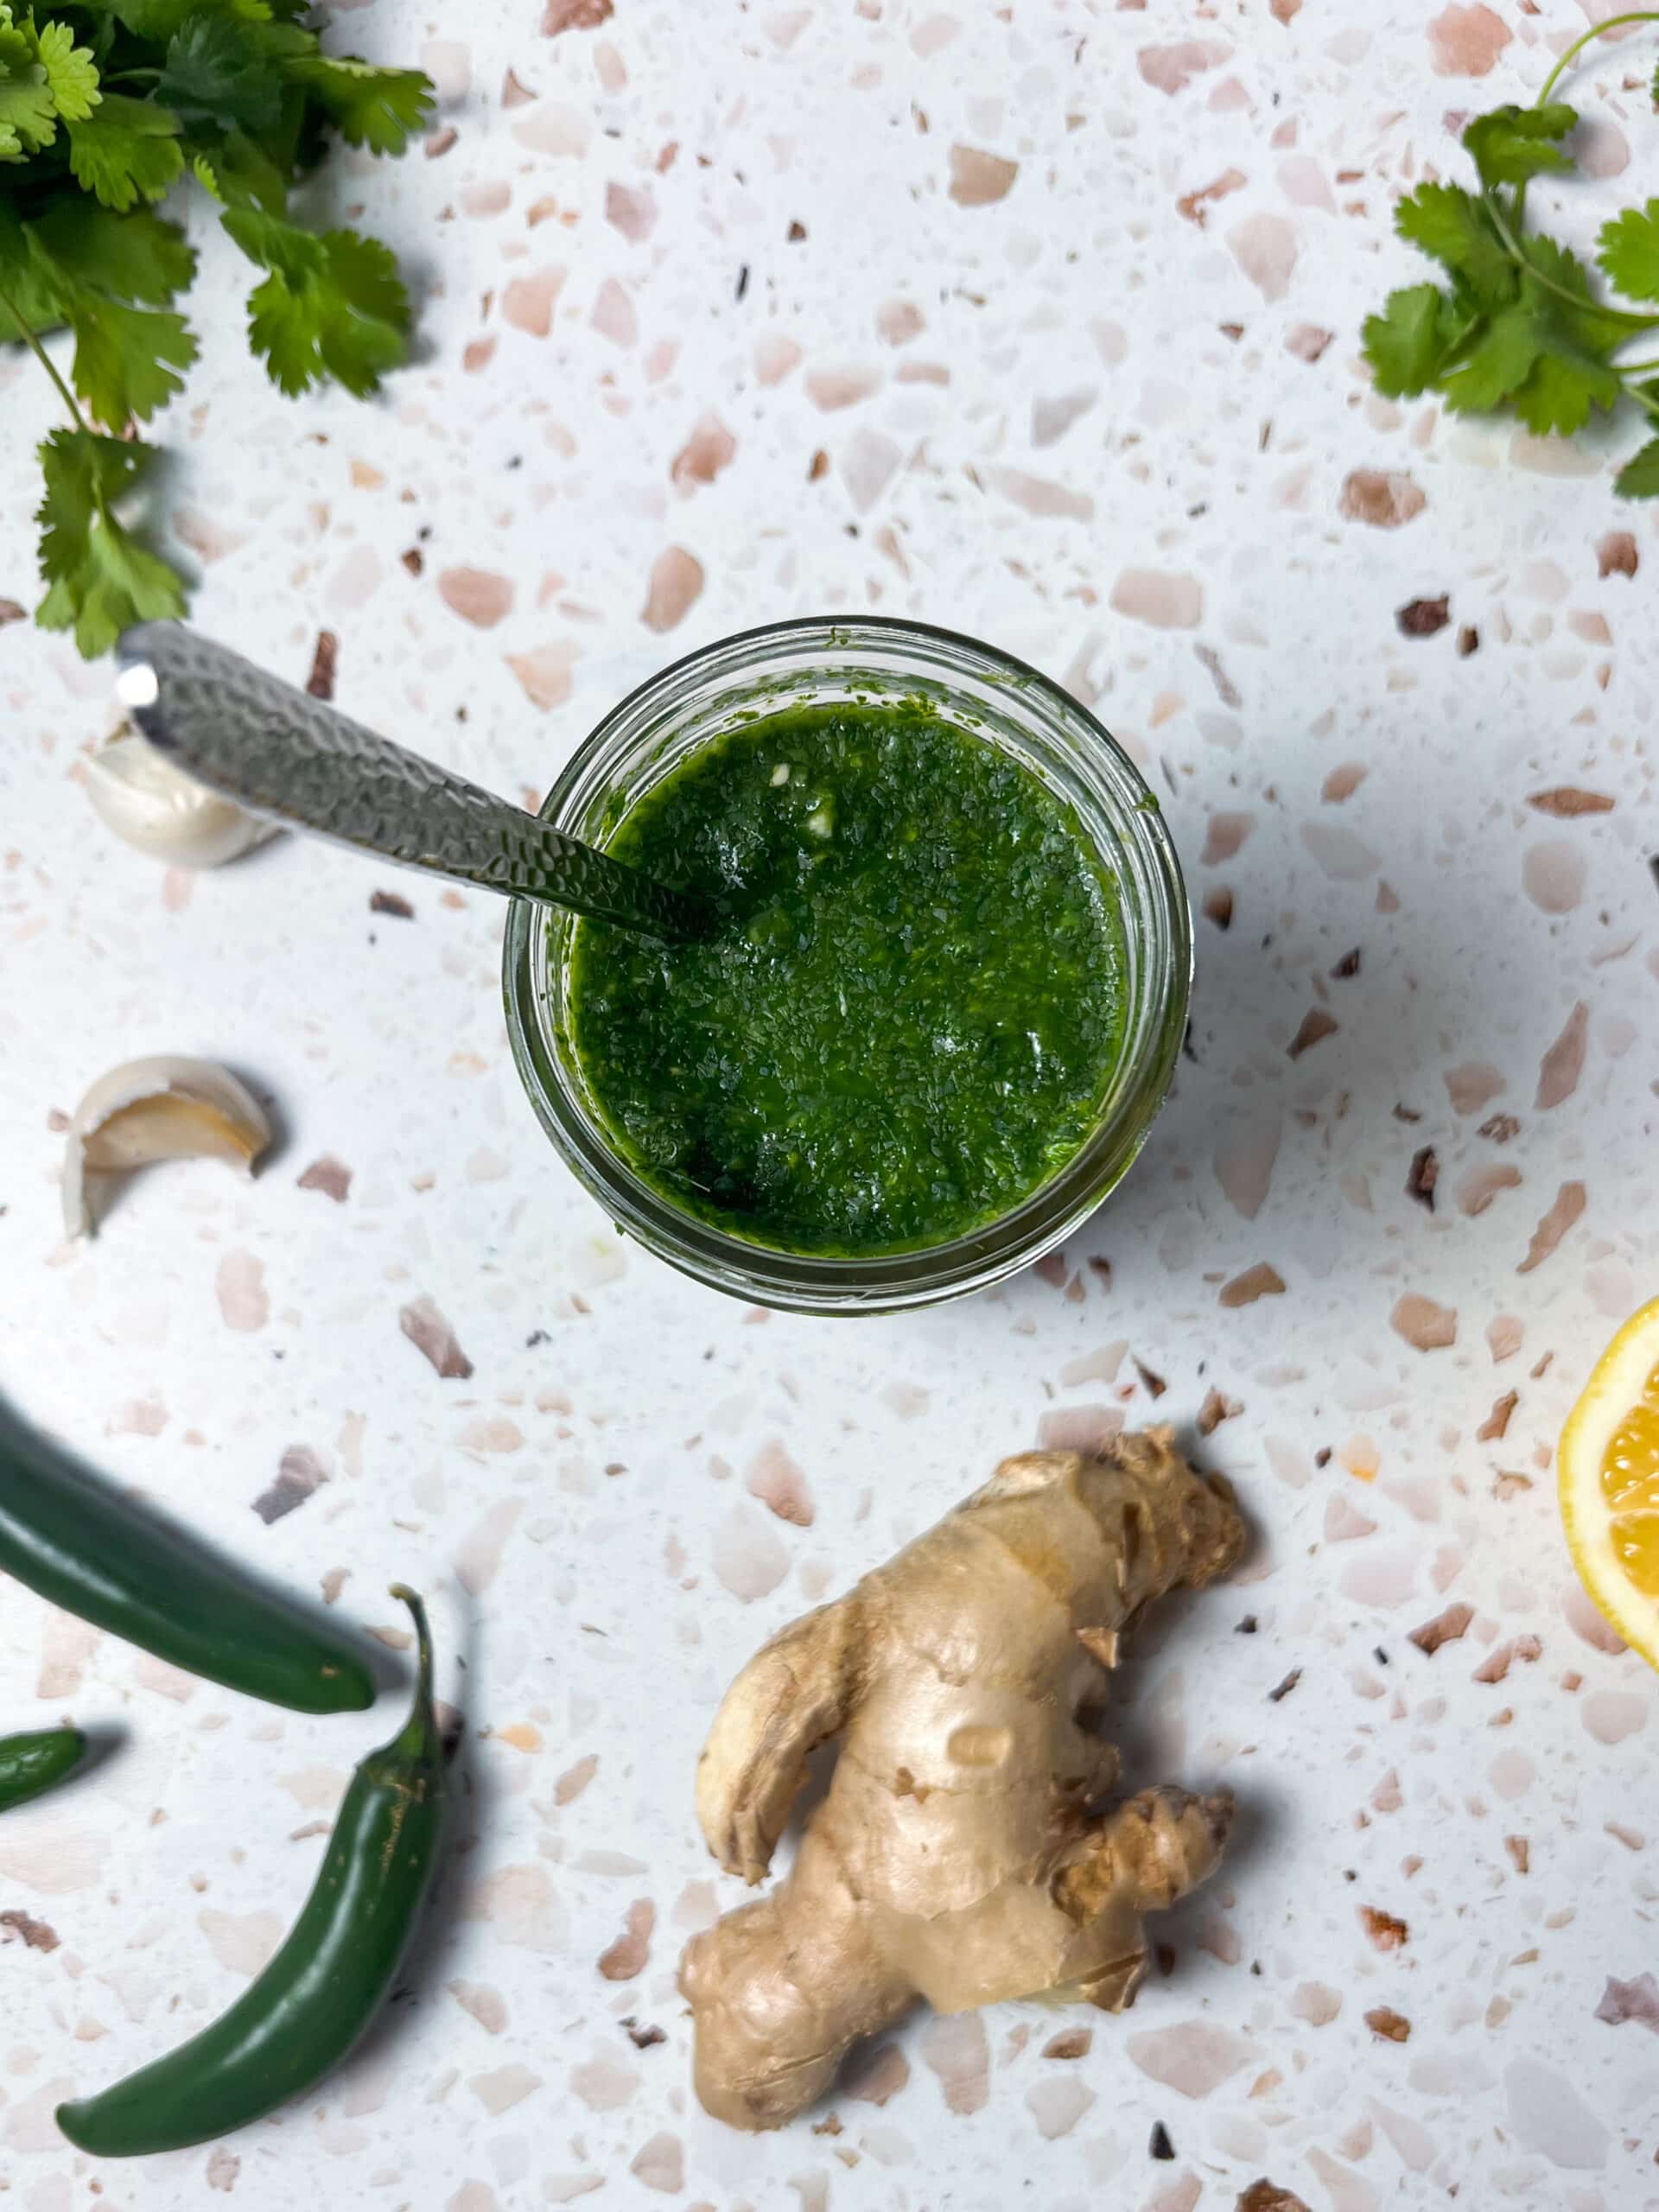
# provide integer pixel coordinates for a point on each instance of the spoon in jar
(284, 755)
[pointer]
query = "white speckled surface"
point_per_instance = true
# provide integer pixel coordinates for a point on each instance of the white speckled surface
(1022, 403)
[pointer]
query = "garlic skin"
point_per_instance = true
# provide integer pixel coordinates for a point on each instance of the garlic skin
(162, 1107)
(137, 793)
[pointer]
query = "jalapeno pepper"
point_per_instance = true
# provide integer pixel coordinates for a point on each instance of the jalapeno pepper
(98, 1554)
(304, 2012)
(30, 1764)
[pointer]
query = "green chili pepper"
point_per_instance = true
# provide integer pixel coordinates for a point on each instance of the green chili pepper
(307, 2008)
(29, 1764)
(96, 1554)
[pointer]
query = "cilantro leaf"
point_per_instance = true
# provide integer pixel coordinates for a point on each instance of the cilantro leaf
(1565, 383)
(1554, 270)
(222, 72)
(1628, 251)
(240, 174)
(1407, 344)
(333, 305)
(102, 104)
(1456, 229)
(99, 577)
(1496, 364)
(1639, 478)
(125, 357)
(369, 106)
(28, 114)
(71, 73)
(24, 292)
(138, 256)
(1510, 144)
(129, 151)
(157, 21)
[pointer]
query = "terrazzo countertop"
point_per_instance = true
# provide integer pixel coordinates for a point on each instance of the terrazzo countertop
(1040, 321)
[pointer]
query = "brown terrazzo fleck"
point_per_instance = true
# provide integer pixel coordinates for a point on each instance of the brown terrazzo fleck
(244, 1300)
(1216, 1407)
(1568, 1205)
(676, 582)
(1422, 1176)
(1070, 2043)
(1195, 205)
(1467, 41)
(1386, 500)
(432, 1336)
(1496, 1422)
(17, 1926)
(954, 2046)
(1316, 1026)
(324, 661)
(299, 1473)
(330, 1176)
(478, 596)
(1616, 554)
(1425, 1325)
(1445, 1628)
(1636, 1999)
(1423, 618)
(628, 1956)
(574, 16)
(1477, 1190)
(1567, 801)
(979, 179)
(1563, 1063)
(1386, 1931)
(780, 1485)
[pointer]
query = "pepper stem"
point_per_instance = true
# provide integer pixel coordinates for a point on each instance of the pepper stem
(418, 1737)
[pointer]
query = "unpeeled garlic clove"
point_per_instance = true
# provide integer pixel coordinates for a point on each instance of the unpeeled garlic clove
(163, 1108)
(137, 793)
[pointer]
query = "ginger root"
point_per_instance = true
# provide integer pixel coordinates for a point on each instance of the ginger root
(961, 1853)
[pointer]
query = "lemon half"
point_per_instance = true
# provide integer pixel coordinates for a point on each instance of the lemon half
(1609, 1466)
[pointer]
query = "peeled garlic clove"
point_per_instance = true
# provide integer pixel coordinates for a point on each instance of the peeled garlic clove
(137, 793)
(163, 1108)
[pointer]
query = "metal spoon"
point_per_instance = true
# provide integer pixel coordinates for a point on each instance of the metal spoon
(284, 754)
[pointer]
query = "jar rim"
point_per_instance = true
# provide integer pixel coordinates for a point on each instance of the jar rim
(1157, 917)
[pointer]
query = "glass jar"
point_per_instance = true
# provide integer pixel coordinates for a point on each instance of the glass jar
(823, 662)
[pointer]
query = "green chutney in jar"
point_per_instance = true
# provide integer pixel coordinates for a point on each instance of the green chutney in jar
(910, 1012)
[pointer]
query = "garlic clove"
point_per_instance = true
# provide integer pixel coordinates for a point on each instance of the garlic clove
(137, 793)
(162, 1107)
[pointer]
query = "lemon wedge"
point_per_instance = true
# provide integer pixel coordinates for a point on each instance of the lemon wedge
(1609, 1466)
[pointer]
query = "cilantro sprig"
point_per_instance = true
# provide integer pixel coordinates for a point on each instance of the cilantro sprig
(1515, 326)
(106, 107)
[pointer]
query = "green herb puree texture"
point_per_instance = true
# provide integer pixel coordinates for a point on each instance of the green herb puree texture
(906, 1023)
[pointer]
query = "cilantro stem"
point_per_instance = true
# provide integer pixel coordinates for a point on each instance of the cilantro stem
(1579, 300)
(1595, 31)
(43, 358)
